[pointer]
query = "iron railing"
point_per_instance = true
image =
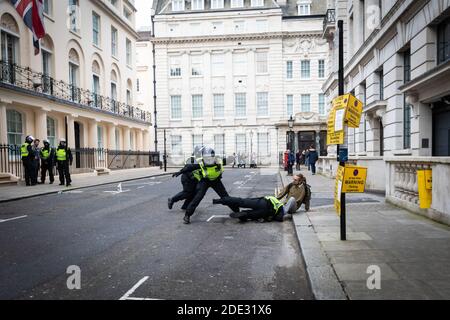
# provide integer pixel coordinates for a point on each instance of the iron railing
(84, 159)
(34, 82)
(330, 18)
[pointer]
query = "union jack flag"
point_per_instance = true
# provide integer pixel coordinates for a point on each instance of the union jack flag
(32, 13)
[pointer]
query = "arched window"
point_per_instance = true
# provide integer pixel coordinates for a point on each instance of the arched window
(9, 38)
(47, 64)
(96, 84)
(51, 131)
(74, 74)
(14, 127)
(129, 92)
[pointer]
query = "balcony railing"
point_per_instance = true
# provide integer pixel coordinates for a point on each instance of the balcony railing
(37, 83)
(330, 18)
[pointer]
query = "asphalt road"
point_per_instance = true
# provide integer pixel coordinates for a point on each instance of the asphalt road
(130, 245)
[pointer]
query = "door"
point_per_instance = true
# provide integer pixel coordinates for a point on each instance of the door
(306, 139)
(441, 129)
(77, 144)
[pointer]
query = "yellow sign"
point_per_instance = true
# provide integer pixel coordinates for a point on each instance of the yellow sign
(338, 189)
(354, 179)
(333, 137)
(353, 109)
(424, 183)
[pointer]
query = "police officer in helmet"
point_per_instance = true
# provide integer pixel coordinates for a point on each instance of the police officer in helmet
(63, 160)
(211, 169)
(189, 179)
(48, 159)
(26, 151)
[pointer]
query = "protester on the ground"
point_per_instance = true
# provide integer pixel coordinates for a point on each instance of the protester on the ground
(297, 189)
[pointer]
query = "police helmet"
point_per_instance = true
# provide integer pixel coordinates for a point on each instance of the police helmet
(198, 151)
(209, 156)
(29, 139)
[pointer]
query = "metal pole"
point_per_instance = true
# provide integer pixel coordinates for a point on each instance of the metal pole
(155, 125)
(165, 152)
(341, 92)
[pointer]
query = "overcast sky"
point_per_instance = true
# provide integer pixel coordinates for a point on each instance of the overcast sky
(143, 14)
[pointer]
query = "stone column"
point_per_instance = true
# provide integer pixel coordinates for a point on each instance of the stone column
(126, 138)
(3, 124)
(146, 141)
(111, 143)
(40, 124)
(70, 131)
(140, 140)
(93, 134)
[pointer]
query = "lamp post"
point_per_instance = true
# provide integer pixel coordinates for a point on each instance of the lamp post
(154, 80)
(291, 126)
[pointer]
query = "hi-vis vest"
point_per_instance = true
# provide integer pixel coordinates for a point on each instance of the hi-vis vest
(277, 204)
(24, 149)
(61, 154)
(197, 174)
(45, 153)
(211, 173)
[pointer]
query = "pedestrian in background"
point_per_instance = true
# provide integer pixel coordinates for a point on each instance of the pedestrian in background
(307, 159)
(291, 162)
(48, 160)
(313, 157)
(27, 155)
(36, 160)
(298, 156)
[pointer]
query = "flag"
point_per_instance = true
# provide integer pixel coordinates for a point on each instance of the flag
(32, 13)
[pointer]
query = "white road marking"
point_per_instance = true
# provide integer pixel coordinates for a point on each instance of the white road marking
(119, 190)
(140, 299)
(217, 216)
(6, 220)
(133, 289)
(140, 187)
(73, 191)
(237, 182)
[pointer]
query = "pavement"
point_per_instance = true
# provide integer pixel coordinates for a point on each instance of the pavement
(81, 180)
(390, 253)
(128, 245)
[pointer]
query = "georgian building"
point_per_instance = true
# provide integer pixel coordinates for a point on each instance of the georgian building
(397, 62)
(82, 81)
(229, 74)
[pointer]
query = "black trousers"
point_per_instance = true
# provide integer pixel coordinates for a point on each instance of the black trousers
(261, 207)
(36, 167)
(28, 168)
(63, 172)
(188, 193)
(45, 166)
(202, 188)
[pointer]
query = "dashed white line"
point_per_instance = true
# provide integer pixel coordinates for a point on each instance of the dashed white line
(217, 216)
(127, 295)
(11, 219)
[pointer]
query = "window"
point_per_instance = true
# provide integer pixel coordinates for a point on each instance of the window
(381, 84)
(263, 145)
(175, 66)
(257, 3)
(114, 38)
(46, 71)
(240, 104)
(51, 131)
(239, 63)
(175, 107)
(407, 66)
(321, 68)
(127, 13)
(129, 100)
(261, 26)
(262, 104)
(14, 124)
(74, 75)
(73, 13)
(113, 91)
(176, 145)
(113, 2)
(219, 105)
(48, 7)
(304, 8)
(129, 52)
(305, 72)
(406, 126)
(9, 46)
(261, 62)
(99, 137)
(289, 69)
(306, 102)
(241, 144)
(217, 65)
(177, 5)
(197, 5)
(290, 104)
(219, 144)
(322, 110)
(217, 4)
(237, 3)
(239, 26)
(197, 106)
(117, 138)
(95, 29)
(443, 38)
(196, 65)
(197, 140)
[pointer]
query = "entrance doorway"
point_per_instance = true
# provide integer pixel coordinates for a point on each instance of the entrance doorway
(77, 134)
(441, 128)
(306, 139)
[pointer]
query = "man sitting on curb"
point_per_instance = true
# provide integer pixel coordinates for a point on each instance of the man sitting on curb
(268, 208)
(299, 190)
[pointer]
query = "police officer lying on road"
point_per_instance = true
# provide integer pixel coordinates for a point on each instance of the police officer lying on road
(189, 179)
(268, 208)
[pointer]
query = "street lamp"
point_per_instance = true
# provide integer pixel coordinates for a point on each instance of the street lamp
(291, 126)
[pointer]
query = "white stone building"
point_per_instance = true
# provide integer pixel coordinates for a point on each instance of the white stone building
(85, 75)
(397, 61)
(231, 73)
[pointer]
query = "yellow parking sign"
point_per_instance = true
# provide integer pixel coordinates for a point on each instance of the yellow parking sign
(333, 137)
(353, 109)
(354, 179)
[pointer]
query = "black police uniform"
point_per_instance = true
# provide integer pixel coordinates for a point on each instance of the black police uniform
(63, 166)
(28, 164)
(47, 163)
(261, 207)
(189, 183)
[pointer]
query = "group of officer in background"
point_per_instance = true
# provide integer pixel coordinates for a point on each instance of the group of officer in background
(35, 159)
(204, 170)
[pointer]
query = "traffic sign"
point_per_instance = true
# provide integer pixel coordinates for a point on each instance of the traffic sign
(354, 179)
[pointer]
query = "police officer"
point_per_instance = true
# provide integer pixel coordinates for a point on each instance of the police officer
(27, 154)
(267, 208)
(211, 169)
(63, 160)
(189, 179)
(47, 162)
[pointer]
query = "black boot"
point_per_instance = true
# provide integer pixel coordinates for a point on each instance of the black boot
(186, 219)
(170, 203)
